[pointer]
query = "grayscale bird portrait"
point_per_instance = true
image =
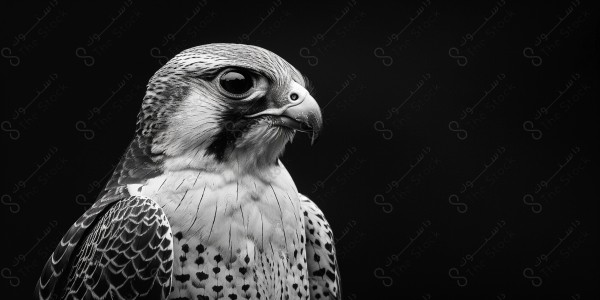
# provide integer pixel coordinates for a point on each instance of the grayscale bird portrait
(270, 150)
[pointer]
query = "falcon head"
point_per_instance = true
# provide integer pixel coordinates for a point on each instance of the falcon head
(225, 104)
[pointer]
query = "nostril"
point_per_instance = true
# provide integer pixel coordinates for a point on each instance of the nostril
(294, 96)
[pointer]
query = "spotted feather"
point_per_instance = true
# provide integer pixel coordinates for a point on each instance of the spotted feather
(323, 268)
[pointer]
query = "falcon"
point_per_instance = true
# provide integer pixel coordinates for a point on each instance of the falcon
(200, 206)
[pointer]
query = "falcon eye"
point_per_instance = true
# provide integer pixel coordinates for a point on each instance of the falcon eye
(236, 82)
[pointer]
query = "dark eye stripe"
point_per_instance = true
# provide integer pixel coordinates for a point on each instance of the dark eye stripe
(233, 124)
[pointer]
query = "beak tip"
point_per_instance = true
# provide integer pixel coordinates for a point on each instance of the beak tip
(313, 138)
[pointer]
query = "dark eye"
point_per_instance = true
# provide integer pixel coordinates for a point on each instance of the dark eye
(236, 82)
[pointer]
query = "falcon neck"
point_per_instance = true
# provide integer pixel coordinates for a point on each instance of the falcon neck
(217, 207)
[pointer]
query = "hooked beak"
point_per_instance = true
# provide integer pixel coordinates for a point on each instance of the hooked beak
(302, 113)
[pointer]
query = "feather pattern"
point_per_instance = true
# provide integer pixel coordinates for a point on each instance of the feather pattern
(57, 268)
(120, 248)
(323, 269)
(128, 255)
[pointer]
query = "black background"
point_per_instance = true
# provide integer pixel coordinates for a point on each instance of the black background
(392, 167)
